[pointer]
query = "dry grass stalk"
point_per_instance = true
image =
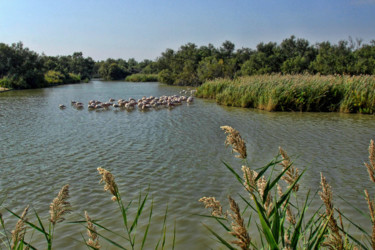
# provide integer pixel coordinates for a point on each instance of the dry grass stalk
(249, 176)
(235, 140)
(261, 184)
(20, 229)
(290, 216)
(291, 175)
(238, 226)
(211, 202)
(60, 206)
(371, 167)
(93, 240)
(110, 184)
(370, 204)
(335, 240)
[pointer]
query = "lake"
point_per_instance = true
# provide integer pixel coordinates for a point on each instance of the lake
(175, 153)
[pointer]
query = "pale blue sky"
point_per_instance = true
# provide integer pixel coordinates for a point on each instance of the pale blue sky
(143, 29)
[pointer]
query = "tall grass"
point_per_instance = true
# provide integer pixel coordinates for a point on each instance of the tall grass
(271, 196)
(353, 94)
(142, 78)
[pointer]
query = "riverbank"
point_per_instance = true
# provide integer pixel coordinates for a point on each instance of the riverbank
(4, 89)
(307, 93)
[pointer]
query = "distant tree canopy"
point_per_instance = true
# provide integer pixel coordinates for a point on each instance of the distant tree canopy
(21, 68)
(190, 64)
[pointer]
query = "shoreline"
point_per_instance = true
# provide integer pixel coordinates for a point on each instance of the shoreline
(4, 90)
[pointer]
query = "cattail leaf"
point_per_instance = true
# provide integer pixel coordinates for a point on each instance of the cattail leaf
(148, 225)
(275, 225)
(316, 241)
(267, 231)
(234, 172)
(265, 168)
(222, 241)
(297, 230)
(270, 185)
(354, 224)
(31, 224)
(357, 209)
(139, 212)
(248, 203)
(28, 245)
(111, 241)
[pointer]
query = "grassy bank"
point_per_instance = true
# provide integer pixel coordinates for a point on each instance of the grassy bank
(353, 94)
(142, 78)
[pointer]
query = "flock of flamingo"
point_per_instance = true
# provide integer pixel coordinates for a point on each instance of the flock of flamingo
(145, 103)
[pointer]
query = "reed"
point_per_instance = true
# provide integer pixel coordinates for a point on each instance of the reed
(142, 78)
(60, 208)
(315, 93)
(281, 220)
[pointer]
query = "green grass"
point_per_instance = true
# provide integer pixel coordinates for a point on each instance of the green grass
(142, 78)
(314, 93)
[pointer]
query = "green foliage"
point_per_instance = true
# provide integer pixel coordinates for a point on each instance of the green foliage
(142, 78)
(295, 93)
(25, 69)
(53, 77)
(5, 82)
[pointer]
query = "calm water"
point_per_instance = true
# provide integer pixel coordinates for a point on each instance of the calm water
(175, 153)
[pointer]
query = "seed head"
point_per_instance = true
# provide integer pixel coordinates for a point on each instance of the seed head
(110, 184)
(235, 140)
(211, 202)
(60, 206)
(93, 240)
(20, 229)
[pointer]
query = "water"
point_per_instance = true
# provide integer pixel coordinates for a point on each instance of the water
(175, 153)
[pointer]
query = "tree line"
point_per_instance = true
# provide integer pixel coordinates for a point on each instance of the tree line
(190, 64)
(21, 68)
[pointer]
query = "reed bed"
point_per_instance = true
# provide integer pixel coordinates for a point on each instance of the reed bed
(311, 93)
(142, 78)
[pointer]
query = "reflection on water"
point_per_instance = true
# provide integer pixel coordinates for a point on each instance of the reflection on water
(176, 153)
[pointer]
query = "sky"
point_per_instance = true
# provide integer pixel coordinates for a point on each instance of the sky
(143, 29)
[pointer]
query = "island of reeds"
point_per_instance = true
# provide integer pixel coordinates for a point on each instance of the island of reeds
(276, 92)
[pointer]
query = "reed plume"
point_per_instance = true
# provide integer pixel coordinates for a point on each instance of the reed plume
(93, 240)
(20, 229)
(211, 202)
(262, 184)
(370, 204)
(291, 175)
(249, 177)
(334, 238)
(110, 184)
(235, 140)
(371, 166)
(289, 214)
(238, 226)
(60, 206)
